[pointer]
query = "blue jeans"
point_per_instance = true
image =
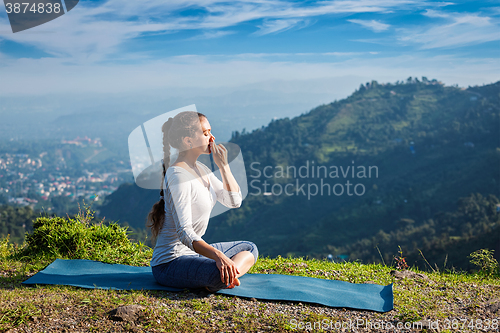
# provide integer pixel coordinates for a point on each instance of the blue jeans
(197, 271)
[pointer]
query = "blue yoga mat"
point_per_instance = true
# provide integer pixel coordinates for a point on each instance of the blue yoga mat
(333, 293)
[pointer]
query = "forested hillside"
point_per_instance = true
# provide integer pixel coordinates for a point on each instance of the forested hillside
(395, 157)
(15, 221)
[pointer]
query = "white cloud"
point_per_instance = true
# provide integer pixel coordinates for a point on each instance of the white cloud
(374, 25)
(335, 54)
(495, 10)
(460, 29)
(275, 26)
(263, 87)
(213, 34)
(190, 73)
(93, 32)
(435, 13)
(281, 55)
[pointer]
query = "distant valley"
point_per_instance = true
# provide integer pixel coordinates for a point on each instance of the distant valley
(436, 150)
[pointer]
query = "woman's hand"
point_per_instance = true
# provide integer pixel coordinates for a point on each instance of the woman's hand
(219, 153)
(228, 271)
(227, 267)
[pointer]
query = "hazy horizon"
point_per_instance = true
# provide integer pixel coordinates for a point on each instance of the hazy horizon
(243, 64)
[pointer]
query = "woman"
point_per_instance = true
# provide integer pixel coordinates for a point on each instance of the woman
(181, 258)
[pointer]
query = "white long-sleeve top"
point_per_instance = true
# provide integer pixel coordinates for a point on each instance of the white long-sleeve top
(188, 204)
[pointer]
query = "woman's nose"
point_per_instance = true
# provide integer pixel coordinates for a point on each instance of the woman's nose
(212, 138)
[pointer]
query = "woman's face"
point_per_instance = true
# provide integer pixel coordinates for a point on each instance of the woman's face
(204, 137)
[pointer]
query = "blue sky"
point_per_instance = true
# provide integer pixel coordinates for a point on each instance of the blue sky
(279, 58)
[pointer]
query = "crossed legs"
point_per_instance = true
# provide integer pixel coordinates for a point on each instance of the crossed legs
(244, 261)
(198, 271)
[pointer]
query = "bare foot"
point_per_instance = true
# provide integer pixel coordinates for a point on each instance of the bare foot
(236, 282)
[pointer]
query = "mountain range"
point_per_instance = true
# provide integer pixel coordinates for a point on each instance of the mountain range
(387, 160)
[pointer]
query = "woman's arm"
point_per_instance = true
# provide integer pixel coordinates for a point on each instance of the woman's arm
(226, 266)
(219, 153)
(225, 197)
(228, 180)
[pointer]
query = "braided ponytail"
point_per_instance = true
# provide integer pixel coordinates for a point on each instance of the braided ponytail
(156, 216)
(185, 125)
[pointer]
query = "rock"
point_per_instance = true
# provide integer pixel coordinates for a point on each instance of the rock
(126, 312)
(408, 274)
(494, 306)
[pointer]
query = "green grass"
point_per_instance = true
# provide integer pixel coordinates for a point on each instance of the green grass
(78, 238)
(413, 299)
(444, 295)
